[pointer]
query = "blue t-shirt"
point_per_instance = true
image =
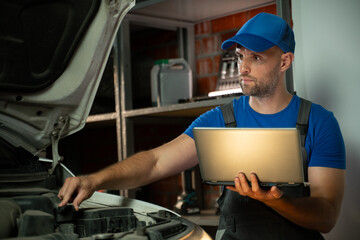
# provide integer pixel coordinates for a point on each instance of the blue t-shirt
(324, 142)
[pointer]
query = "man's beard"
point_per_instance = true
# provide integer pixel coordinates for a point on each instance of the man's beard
(264, 88)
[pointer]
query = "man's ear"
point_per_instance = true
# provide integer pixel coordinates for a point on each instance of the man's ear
(286, 60)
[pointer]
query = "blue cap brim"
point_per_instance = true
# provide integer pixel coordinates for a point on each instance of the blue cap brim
(251, 42)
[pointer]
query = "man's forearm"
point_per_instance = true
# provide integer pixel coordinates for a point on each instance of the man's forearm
(130, 173)
(148, 166)
(309, 212)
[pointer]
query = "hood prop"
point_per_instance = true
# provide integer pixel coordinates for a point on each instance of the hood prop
(62, 122)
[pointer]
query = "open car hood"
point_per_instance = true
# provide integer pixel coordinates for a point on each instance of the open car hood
(52, 56)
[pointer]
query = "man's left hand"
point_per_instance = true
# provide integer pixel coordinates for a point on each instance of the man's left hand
(254, 191)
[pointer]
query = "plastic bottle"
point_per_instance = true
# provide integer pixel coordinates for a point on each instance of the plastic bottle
(171, 80)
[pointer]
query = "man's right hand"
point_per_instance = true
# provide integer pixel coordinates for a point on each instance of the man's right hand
(76, 190)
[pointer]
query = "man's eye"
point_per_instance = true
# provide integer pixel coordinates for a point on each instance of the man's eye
(257, 58)
(239, 58)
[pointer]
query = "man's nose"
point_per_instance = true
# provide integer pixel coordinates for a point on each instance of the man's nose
(244, 67)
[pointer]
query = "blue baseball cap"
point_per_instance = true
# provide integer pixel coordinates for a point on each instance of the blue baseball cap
(263, 32)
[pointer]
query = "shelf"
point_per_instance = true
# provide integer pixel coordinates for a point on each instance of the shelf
(101, 119)
(194, 11)
(191, 109)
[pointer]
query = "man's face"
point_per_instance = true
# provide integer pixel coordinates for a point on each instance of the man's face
(259, 72)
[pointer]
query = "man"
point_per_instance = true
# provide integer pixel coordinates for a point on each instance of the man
(265, 49)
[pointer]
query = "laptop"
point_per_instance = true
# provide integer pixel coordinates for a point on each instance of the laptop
(274, 154)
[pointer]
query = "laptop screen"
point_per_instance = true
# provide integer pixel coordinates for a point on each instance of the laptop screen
(274, 154)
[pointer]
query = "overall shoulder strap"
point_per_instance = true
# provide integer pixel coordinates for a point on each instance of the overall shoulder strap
(227, 111)
(302, 125)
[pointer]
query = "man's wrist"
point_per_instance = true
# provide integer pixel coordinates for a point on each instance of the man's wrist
(95, 181)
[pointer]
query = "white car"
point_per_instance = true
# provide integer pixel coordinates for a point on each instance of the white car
(52, 56)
